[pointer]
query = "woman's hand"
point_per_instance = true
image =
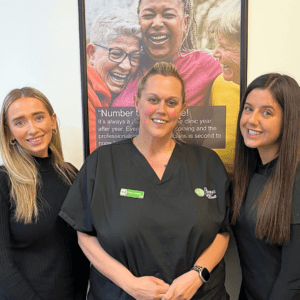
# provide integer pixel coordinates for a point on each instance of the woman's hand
(149, 288)
(184, 287)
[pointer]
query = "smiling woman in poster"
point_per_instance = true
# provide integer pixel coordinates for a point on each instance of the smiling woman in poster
(266, 203)
(151, 212)
(169, 34)
(39, 255)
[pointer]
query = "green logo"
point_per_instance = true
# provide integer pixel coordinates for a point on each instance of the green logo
(199, 192)
(132, 193)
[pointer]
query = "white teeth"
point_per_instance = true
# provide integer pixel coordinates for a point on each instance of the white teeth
(252, 132)
(225, 66)
(35, 140)
(160, 37)
(118, 77)
(159, 121)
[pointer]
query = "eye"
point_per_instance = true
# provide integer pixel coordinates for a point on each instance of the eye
(148, 16)
(267, 113)
(153, 100)
(19, 123)
(116, 53)
(169, 16)
(247, 109)
(39, 118)
(172, 102)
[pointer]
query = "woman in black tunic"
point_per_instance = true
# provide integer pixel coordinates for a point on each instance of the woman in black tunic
(266, 203)
(39, 255)
(150, 212)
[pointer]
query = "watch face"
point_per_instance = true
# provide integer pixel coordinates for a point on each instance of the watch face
(205, 274)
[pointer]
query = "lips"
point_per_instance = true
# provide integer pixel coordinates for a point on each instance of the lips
(35, 141)
(253, 132)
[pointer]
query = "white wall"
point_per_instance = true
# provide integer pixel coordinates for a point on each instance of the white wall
(40, 48)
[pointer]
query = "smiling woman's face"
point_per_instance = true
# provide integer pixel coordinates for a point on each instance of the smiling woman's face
(163, 25)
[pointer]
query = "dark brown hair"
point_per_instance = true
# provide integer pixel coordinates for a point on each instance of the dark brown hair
(274, 205)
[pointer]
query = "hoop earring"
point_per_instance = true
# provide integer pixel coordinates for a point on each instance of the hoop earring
(137, 113)
(13, 142)
(54, 131)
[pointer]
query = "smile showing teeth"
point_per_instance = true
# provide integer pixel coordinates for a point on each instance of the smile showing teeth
(224, 66)
(118, 77)
(158, 38)
(159, 121)
(252, 132)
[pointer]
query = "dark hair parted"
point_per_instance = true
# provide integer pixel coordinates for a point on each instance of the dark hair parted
(164, 69)
(189, 40)
(274, 205)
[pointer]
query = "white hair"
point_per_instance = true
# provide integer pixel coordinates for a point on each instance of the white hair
(226, 20)
(112, 23)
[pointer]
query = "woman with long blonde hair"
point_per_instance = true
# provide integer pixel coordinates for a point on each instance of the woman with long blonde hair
(38, 250)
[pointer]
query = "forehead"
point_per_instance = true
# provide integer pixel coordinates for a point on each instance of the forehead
(227, 42)
(166, 86)
(262, 97)
(163, 4)
(127, 43)
(25, 106)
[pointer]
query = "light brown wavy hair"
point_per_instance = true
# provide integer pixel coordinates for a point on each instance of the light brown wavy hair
(21, 167)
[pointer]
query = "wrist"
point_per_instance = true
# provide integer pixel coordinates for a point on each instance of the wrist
(203, 273)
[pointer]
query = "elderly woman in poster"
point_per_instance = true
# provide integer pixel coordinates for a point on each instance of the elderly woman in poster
(225, 24)
(113, 53)
(169, 34)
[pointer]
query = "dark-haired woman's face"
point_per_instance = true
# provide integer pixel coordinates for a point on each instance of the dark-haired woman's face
(261, 123)
(163, 24)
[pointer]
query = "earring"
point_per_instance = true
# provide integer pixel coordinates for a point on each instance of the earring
(137, 113)
(54, 131)
(13, 142)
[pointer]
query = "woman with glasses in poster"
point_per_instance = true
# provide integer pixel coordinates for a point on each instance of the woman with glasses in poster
(266, 202)
(151, 212)
(169, 34)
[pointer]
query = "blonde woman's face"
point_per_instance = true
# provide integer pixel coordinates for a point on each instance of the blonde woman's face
(31, 125)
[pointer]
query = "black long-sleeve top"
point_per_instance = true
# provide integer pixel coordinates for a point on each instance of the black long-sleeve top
(40, 260)
(270, 271)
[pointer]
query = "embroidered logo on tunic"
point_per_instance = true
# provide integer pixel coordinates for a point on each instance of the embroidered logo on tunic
(205, 192)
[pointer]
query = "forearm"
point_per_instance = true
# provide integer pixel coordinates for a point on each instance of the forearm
(105, 264)
(213, 254)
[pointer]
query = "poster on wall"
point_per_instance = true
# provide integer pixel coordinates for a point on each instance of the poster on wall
(120, 40)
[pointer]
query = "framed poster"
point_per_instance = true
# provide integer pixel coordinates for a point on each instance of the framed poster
(205, 39)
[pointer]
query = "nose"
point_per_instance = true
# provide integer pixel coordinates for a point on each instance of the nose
(157, 21)
(32, 128)
(125, 64)
(161, 108)
(253, 118)
(217, 52)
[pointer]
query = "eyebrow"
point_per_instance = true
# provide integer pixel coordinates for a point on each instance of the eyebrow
(22, 117)
(153, 10)
(265, 106)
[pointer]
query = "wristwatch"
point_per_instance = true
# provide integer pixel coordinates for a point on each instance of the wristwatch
(203, 273)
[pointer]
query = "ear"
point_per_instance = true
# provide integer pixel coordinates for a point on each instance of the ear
(185, 23)
(136, 102)
(182, 109)
(91, 50)
(53, 121)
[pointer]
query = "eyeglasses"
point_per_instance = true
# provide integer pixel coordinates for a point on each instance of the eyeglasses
(118, 55)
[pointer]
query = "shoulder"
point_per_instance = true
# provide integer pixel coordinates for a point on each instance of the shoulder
(204, 155)
(4, 183)
(296, 198)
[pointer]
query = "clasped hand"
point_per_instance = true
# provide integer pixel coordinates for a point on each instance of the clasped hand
(182, 288)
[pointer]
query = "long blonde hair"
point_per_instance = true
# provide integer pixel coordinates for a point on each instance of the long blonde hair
(21, 167)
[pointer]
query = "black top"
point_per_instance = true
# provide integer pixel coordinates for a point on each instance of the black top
(161, 234)
(270, 271)
(40, 261)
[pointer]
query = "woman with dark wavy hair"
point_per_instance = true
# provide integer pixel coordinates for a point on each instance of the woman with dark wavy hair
(266, 204)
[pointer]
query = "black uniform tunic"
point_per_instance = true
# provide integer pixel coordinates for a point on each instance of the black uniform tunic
(162, 233)
(270, 271)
